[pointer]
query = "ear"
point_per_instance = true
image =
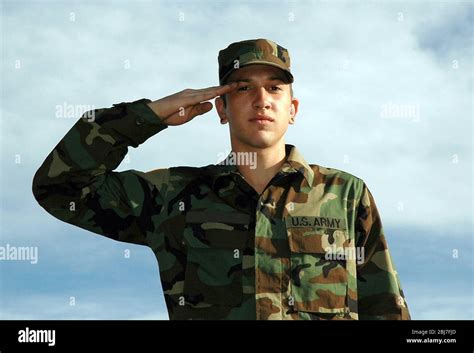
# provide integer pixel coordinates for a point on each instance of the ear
(293, 110)
(219, 102)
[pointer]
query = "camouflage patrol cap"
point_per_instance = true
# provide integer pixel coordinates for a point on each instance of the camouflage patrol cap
(253, 51)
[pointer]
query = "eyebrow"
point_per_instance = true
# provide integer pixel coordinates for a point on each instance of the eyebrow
(271, 78)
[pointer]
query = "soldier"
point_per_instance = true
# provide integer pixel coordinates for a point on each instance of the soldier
(261, 235)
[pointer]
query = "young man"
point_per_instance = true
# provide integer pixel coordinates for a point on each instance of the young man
(275, 239)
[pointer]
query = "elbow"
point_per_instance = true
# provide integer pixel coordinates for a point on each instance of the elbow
(37, 186)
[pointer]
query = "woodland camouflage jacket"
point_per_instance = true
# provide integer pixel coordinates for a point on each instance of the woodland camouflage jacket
(311, 246)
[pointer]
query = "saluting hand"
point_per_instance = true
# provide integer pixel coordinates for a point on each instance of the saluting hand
(181, 107)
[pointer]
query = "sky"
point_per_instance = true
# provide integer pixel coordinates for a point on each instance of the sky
(385, 91)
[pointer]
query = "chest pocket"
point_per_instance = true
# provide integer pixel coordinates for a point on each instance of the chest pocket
(215, 243)
(318, 271)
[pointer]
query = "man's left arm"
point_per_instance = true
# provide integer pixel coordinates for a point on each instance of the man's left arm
(380, 296)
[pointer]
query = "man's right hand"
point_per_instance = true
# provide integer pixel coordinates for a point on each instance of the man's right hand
(181, 107)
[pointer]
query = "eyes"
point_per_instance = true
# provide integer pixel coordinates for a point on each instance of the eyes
(272, 88)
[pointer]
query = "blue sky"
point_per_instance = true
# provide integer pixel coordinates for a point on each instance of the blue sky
(353, 62)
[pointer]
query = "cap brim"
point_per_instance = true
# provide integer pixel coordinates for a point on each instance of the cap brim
(259, 62)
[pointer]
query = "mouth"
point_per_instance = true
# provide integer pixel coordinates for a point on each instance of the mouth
(261, 119)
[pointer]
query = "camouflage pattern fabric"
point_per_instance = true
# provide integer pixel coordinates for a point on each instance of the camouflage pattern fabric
(253, 51)
(225, 252)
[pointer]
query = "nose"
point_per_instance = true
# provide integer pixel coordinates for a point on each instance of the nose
(261, 99)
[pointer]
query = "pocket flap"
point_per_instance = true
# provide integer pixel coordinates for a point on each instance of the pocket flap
(211, 229)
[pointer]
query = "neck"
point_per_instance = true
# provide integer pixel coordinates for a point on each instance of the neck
(265, 163)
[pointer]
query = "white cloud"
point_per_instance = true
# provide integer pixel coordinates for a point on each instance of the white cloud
(349, 59)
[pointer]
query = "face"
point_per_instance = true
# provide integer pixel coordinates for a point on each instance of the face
(260, 111)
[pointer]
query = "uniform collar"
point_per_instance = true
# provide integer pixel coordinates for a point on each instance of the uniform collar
(295, 163)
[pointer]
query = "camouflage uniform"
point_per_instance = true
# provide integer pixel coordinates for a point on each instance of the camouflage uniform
(224, 251)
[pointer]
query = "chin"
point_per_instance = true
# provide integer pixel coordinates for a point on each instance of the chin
(261, 143)
(257, 140)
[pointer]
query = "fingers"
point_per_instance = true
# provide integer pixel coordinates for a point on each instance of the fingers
(199, 109)
(190, 100)
(183, 116)
(200, 95)
(215, 89)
